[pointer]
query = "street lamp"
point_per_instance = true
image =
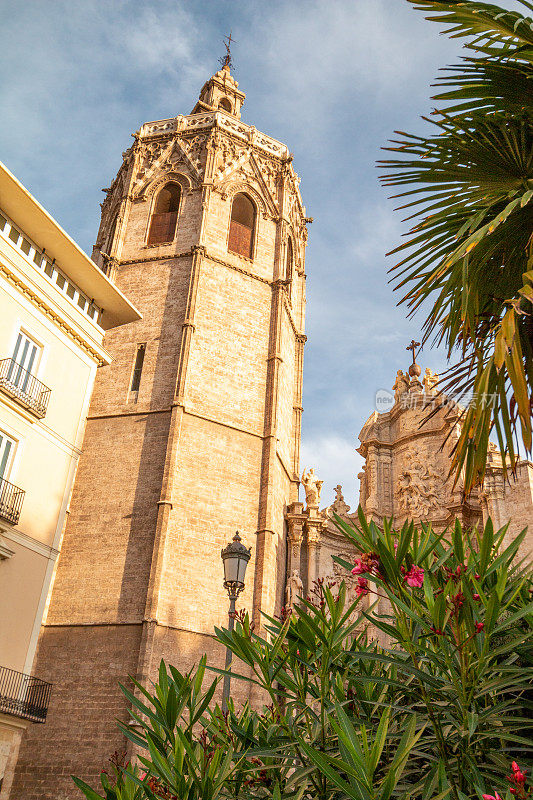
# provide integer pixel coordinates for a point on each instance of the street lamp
(235, 557)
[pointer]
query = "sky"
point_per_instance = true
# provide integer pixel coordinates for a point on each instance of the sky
(333, 79)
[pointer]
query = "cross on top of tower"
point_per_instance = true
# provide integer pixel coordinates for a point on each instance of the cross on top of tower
(226, 61)
(412, 346)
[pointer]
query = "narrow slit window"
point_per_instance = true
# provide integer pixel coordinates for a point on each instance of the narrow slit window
(242, 225)
(165, 214)
(138, 368)
(289, 263)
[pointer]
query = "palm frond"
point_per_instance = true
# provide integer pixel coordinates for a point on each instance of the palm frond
(467, 187)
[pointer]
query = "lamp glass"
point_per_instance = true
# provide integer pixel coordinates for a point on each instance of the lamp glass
(231, 568)
(243, 563)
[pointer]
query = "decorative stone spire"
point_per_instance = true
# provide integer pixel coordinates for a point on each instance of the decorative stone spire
(221, 91)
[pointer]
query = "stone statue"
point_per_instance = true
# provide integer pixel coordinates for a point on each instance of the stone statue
(294, 588)
(312, 486)
(401, 385)
(430, 381)
(340, 506)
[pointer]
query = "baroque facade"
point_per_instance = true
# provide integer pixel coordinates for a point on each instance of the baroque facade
(193, 431)
(407, 449)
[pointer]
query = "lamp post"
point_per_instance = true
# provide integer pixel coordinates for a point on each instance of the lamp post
(235, 557)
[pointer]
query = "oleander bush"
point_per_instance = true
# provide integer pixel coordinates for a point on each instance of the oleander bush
(439, 707)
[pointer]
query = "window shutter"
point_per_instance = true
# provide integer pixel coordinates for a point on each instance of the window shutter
(240, 239)
(162, 227)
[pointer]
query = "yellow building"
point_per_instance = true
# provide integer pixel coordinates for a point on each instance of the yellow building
(55, 305)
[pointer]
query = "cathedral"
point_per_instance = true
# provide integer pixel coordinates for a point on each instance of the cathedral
(194, 431)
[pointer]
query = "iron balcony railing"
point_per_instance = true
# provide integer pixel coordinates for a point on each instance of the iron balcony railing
(23, 695)
(11, 499)
(24, 387)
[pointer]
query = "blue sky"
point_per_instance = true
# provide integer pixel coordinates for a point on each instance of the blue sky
(331, 78)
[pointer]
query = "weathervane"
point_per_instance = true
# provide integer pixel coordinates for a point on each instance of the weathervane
(226, 61)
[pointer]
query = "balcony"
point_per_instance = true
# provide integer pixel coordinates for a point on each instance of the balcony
(11, 499)
(24, 387)
(23, 695)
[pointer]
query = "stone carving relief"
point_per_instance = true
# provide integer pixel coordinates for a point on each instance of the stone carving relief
(269, 172)
(194, 147)
(419, 488)
(156, 157)
(230, 154)
(158, 128)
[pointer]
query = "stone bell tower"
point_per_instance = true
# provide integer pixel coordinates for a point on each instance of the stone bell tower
(194, 429)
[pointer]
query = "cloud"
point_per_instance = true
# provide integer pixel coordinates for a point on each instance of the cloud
(322, 57)
(79, 81)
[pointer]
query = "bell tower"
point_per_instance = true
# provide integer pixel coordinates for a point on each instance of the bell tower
(193, 431)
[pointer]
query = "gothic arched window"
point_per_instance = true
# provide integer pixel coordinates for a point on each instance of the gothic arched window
(241, 227)
(165, 214)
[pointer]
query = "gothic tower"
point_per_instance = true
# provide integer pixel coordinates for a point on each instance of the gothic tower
(193, 431)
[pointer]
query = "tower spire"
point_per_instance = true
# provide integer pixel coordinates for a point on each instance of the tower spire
(221, 92)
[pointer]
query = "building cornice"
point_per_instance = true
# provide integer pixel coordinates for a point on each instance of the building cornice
(29, 543)
(97, 354)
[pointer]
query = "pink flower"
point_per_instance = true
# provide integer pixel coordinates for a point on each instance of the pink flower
(368, 562)
(518, 777)
(479, 628)
(359, 567)
(491, 796)
(415, 576)
(362, 588)
(476, 597)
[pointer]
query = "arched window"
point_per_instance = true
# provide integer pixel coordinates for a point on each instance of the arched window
(241, 227)
(165, 214)
(225, 105)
